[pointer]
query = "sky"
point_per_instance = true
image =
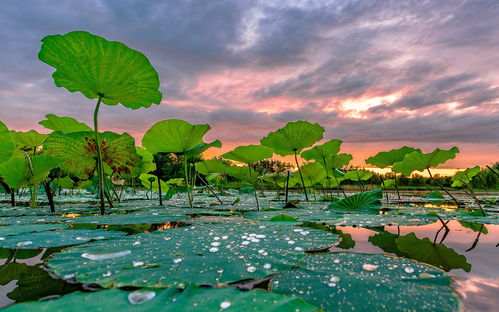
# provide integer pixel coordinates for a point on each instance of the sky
(376, 74)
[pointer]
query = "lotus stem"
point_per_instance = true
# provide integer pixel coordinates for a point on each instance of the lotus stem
(397, 186)
(254, 188)
(186, 173)
(492, 169)
(472, 194)
(301, 177)
(209, 188)
(100, 167)
(156, 159)
(287, 188)
(442, 187)
(48, 190)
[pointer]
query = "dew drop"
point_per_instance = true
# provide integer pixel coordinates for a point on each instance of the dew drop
(409, 270)
(261, 251)
(291, 242)
(267, 266)
(246, 242)
(136, 243)
(68, 276)
(260, 236)
(426, 275)
(140, 296)
(216, 238)
(334, 279)
(86, 238)
(2, 238)
(108, 273)
(213, 249)
(177, 260)
(225, 304)
(26, 243)
(298, 249)
(138, 263)
(369, 267)
(104, 255)
(215, 244)
(251, 269)
(331, 284)
(225, 237)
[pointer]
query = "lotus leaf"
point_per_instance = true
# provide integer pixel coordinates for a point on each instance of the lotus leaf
(293, 138)
(64, 124)
(99, 68)
(249, 154)
(385, 159)
(20, 171)
(366, 201)
(359, 282)
(206, 254)
(7, 146)
(420, 161)
(320, 152)
(358, 175)
(465, 175)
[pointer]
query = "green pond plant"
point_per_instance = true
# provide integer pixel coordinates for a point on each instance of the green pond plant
(108, 71)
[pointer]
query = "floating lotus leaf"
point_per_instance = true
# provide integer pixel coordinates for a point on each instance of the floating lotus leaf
(358, 175)
(32, 219)
(489, 219)
(359, 282)
(385, 159)
(154, 299)
(420, 161)
(320, 152)
(299, 214)
(28, 140)
(97, 68)
(465, 175)
(439, 255)
(20, 171)
(7, 146)
(249, 154)
(12, 230)
(366, 201)
(173, 136)
(63, 124)
(207, 254)
(55, 238)
(372, 220)
(293, 137)
(140, 217)
(77, 152)
(434, 195)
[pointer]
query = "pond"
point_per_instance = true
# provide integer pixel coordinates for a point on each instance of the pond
(318, 254)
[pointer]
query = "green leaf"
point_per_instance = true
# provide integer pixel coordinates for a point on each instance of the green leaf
(7, 146)
(421, 161)
(365, 201)
(293, 137)
(198, 150)
(385, 159)
(180, 254)
(192, 298)
(12, 230)
(319, 152)
(466, 175)
(312, 173)
(475, 226)
(77, 152)
(439, 255)
(174, 136)
(337, 161)
(28, 140)
(146, 180)
(249, 154)
(358, 175)
(435, 194)
(63, 124)
(387, 242)
(146, 164)
(99, 68)
(283, 218)
(338, 282)
(20, 171)
(388, 183)
(211, 166)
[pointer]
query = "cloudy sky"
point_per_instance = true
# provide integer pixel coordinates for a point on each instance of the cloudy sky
(376, 74)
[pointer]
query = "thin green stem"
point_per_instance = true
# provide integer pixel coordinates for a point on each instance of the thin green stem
(442, 187)
(301, 177)
(186, 173)
(100, 167)
(156, 158)
(254, 188)
(397, 186)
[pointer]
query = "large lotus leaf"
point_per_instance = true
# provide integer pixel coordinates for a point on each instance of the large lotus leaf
(439, 255)
(191, 298)
(420, 161)
(358, 175)
(140, 217)
(375, 220)
(201, 148)
(475, 226)
(337, 161)
(12, 230)
(206, 254)
(320, 152)
(312, 173)
(385, 159)
(293, 137)
(211, 166)
(65, 183)
(63, 124)
(77, 152)
(7, 146)
(366, 201)
(149, 180)
(298, 214)
(99, 68)
(31, 219)
(55, 238)
(173, 136)
(28, 140)
(19, 171)
(360, 282)
(243, 173)
(146, 164)
(249, 153)
(465, 175)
